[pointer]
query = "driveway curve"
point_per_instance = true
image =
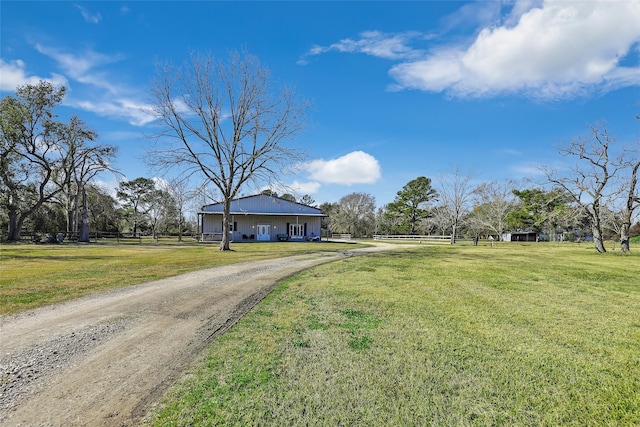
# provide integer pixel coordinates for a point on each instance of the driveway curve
(103, 360)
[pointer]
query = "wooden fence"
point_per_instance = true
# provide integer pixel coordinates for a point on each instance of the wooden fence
(341, 236)
(428, 239)
(101, 236)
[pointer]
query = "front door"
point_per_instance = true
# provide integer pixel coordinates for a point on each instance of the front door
(264, 233)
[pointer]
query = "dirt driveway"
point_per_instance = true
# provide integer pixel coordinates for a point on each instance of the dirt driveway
(104, 359)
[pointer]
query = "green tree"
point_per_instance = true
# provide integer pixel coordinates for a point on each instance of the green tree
(410, 205)
(137, 196)
(104, 210)
(269, 192)
(307, 200)
(30, 158)
(539, 210)
(329, 209)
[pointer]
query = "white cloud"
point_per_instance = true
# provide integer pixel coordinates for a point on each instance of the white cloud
(527, 169)
(471, 15)
(80, 67)
(310, 187)
(356, 167)
(109, 100)
(296, 188)
(559, 50)
(126, 109)
(14, 74)
(374, 43)
(92, 18)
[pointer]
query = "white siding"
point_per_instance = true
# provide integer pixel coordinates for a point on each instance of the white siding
(247, 224)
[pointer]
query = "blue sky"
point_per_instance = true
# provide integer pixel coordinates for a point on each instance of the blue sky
(399, 89)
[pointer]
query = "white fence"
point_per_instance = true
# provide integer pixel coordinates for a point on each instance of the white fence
(341, 236)
(438, 240)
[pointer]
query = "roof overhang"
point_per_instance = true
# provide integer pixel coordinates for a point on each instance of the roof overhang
(263, 214)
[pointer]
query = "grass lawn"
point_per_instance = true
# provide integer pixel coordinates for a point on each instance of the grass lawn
(35, 275)
(519, 334)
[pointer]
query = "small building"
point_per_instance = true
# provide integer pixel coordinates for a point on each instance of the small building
(528, 236)
(261, 218)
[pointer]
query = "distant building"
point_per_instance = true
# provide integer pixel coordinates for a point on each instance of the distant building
(528, 236)
(261, 218)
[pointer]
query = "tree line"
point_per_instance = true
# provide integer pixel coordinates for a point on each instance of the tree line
(222, 123)
(48, 169)
(457, 208)
(227, 125)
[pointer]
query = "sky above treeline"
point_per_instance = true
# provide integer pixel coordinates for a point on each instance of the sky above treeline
(398, 89)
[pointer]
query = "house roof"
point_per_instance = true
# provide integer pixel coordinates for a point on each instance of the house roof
(262, 204)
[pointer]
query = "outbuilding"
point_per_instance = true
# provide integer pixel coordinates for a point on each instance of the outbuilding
(261, 218)
(528, 236)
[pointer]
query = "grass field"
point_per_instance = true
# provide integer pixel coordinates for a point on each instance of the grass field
(35, 275)
(528, 334)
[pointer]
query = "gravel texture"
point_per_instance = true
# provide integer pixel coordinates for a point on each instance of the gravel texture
(21, 371)
(106, 359)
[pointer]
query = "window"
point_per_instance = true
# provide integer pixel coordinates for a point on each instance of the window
(296, 230)
(233, 226)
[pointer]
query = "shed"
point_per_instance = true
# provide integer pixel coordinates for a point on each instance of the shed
(528, 236)
(261, 218)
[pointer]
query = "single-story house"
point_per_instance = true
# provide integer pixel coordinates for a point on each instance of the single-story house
(261, 218)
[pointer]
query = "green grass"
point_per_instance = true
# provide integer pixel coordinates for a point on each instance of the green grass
(528, 334)
(36, 275)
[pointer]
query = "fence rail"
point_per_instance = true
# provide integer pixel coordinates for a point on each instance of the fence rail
(99, 236)
(440, 240)
(341, 236)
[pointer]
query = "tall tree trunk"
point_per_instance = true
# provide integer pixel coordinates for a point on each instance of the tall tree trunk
(14, 226)
(224, 243)
(69, 210)
(596, 227)
(628, 211)
(625, 236)
(598, 241)
(76, 212)
(453, 232)
(84, 229)
(135, 224)
(17, 219)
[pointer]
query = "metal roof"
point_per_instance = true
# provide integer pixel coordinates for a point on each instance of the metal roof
(262, 204)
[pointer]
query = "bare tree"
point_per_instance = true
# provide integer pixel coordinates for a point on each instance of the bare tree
(632, 202)
(494, 202)
(180, 196)
(588, 180)
(631, 193)
(224, 121)
(355, 215)
(81, 163)
(455, 196)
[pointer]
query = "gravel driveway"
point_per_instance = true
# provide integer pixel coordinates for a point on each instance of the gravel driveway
(104, 359)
